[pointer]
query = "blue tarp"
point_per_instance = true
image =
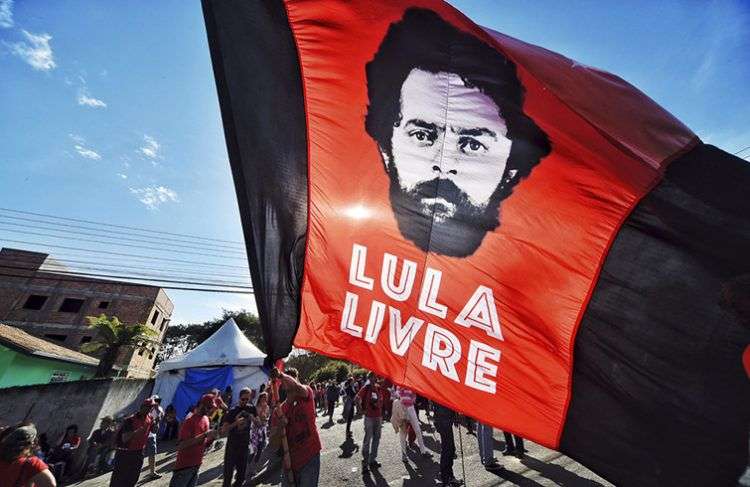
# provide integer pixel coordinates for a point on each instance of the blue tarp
(198, 382)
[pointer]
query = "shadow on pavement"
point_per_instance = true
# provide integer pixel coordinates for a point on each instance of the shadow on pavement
(431, 443)
(170, 456)
(517, 479)
(373, 478)
(558, 474)
(416, 477)
(210, 474)
(422, 470)
(268, 469)
(165, 469)
(348, 448)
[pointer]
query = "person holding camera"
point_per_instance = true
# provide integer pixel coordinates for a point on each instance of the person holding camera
(236, 424)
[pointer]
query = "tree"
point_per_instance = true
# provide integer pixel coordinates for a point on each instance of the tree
(112, 336)
(336, 370)
(307, 363)
(183, 338)
(325, 374)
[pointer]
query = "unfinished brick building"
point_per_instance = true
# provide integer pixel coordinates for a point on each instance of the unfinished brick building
(54, 306)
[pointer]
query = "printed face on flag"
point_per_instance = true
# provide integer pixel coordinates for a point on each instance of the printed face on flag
(446, 172)
(443, 137)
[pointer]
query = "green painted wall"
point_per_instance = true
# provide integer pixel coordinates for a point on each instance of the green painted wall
(17, 369)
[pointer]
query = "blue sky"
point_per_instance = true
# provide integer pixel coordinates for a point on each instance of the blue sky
(108, 110)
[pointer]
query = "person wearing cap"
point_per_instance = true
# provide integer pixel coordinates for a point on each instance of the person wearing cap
(296, 417)
(157, 415)
(131, 440)
(18, 465)
(195, 435)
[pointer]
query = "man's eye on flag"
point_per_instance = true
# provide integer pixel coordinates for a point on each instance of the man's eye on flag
(529, 241)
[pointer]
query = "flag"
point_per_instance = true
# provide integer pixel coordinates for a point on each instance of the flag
(527, 240)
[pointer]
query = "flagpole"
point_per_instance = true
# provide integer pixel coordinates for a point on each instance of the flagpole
(461, 447)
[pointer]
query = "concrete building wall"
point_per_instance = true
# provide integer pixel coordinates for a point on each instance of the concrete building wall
(142, 360)
(52, 407)
(18, 369)
(131, 304)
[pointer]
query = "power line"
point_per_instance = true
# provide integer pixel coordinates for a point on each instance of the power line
(75, 263)
(741, 150)
(77, 269)
(115, 276)
(69, 225)
(117, 244)
(63, 258)
(132, 256)
(150, 263)
(121, 226)
(133, 284)
(127, 239)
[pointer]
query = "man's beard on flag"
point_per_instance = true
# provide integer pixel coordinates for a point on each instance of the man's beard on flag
(437, 216)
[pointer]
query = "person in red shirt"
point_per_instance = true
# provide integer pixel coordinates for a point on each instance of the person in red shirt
(296, 417)
(195, 435)
(371, 399)
(130, 441)
(18, 465)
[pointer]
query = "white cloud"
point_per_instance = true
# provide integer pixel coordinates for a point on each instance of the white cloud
(154, 196)
(150, 148)
(86, 100)
(6, 13)
(87, 153)
(36, 51)
(79, 144)
(122, 176)
(77, 138)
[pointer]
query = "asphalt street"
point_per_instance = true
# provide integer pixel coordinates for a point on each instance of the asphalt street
(341, 463)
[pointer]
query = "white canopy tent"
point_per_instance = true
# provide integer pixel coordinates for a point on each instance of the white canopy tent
(228, 346)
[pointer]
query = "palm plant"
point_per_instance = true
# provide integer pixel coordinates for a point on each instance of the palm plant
(113, 335)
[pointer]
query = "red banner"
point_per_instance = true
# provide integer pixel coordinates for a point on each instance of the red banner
(461, 203)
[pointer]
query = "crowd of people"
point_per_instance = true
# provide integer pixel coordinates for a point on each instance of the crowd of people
(277, 421)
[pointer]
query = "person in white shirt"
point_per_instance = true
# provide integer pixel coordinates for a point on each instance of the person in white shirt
(407, 397)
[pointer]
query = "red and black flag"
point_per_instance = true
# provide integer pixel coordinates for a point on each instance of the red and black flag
(522, 238)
